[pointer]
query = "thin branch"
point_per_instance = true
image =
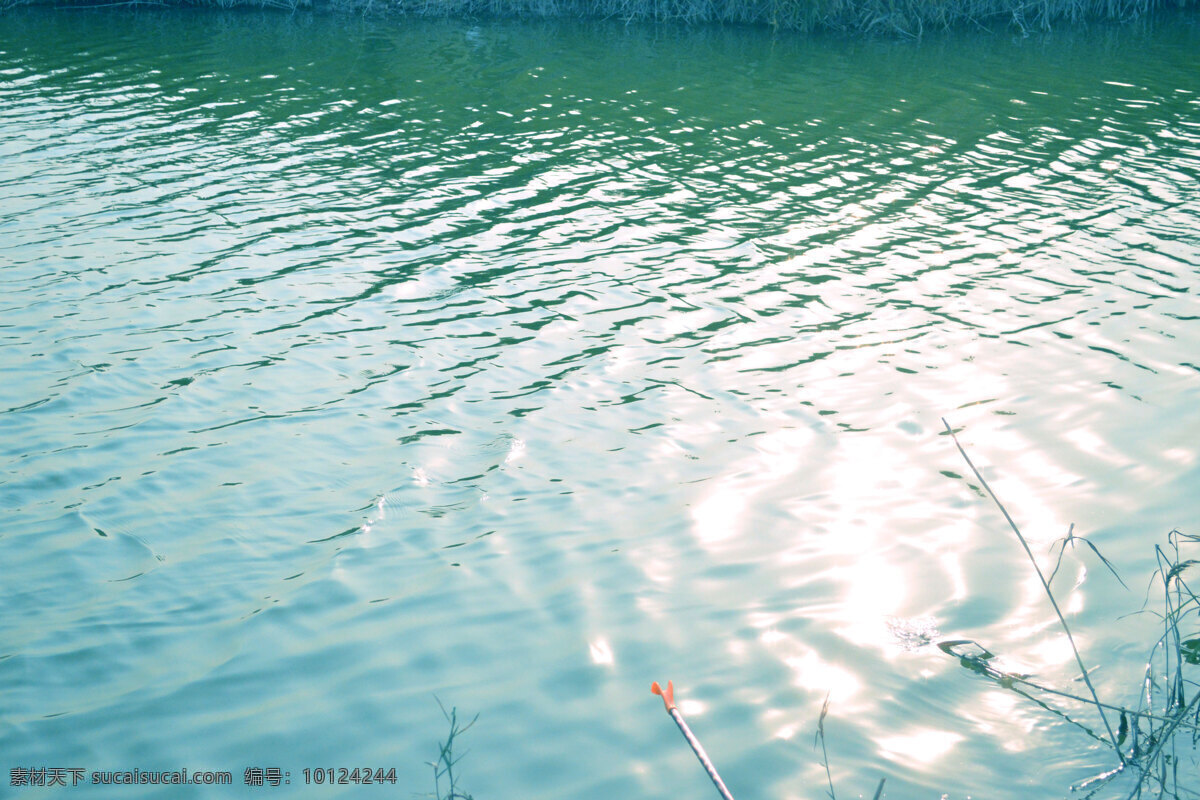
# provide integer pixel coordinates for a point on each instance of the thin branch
(1083, 671)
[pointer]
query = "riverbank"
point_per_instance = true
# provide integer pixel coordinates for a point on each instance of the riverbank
(902, 17)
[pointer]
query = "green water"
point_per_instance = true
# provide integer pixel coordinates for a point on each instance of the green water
(346, 363)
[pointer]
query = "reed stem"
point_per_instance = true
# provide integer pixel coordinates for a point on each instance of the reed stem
(1083, 671)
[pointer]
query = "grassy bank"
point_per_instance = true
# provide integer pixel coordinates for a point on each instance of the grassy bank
(904, 17)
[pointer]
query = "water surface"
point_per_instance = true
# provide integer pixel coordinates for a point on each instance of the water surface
(348, 362)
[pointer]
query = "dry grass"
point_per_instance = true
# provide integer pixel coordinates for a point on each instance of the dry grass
(908, 18)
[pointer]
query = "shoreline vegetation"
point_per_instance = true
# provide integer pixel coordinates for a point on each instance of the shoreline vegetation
(906, 18)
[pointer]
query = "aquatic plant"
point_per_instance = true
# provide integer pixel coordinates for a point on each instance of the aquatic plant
(443, 767)
(1155, 737)
(1083, 670)
(820, 737)
(1151, 741)
(1147, 742)
(902, 17)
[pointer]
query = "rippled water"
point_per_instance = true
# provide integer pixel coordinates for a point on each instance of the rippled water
(351, 362)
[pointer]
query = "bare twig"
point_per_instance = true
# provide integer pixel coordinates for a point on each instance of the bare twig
(1083, 671)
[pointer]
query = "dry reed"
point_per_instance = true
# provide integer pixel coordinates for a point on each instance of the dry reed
(908, 18)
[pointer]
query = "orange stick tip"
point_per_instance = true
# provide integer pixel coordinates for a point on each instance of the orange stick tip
(668, 694)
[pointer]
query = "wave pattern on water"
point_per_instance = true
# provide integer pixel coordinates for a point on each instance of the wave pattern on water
(345, 364)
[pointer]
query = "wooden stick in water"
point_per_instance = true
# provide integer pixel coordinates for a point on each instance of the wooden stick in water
(668, 696)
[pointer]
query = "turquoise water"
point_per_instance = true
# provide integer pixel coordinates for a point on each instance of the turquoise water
(349, 363)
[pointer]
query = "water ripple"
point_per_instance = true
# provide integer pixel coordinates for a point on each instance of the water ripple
(346, 363)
